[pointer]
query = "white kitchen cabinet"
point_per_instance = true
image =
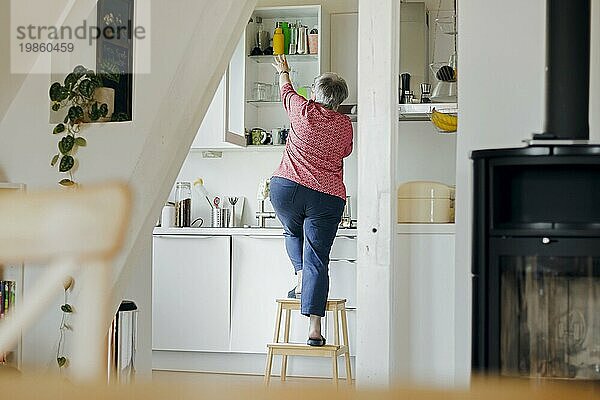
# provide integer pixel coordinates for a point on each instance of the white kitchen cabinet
(344, 51)
(246, 109)
(261, 273)
(429, 258)
(211, 134)
(191, 293)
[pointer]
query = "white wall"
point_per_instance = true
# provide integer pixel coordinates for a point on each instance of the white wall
(169, 104)
(425, 155)
(501, 57)
(238, 173)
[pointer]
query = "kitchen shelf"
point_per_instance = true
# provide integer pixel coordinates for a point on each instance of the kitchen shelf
(289, 57)
(263, 103)
(421, 111)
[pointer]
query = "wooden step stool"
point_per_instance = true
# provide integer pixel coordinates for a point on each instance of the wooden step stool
(285, 349)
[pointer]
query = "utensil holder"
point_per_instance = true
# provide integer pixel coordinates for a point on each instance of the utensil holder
(220, 217)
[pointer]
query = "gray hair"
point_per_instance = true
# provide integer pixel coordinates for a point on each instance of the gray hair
(330, 90)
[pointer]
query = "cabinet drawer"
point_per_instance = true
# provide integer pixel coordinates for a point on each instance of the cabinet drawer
(344, 248)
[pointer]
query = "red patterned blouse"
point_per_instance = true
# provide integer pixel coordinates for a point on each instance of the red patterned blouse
(316, 146)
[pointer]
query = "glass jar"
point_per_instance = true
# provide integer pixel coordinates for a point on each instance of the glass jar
(183, 204)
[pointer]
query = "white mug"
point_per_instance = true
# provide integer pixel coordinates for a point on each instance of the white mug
(167, 217)
(275, 136)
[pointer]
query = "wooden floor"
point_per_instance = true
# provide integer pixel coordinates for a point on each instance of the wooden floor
(234, 380)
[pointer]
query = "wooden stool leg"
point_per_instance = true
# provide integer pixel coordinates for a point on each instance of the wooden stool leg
(347, 344)
(336, 328)
(268, 367)
(277, 323)
(286, 339)
(335, 369)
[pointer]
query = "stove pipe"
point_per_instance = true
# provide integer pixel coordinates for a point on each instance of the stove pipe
(567, 70)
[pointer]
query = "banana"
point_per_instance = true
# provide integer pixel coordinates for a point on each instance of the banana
(444, 122)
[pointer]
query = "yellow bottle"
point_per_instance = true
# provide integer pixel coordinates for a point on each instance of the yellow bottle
(278, 42)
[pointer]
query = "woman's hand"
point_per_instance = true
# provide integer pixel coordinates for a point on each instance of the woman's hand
(281, 64)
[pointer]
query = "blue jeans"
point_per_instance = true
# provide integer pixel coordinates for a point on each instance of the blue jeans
(310, 220)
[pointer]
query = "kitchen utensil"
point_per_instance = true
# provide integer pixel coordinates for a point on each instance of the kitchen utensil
(261, 91)
(293, 39)
(220, 217)
(233, 201)
(302, 40)
(262, 35)
(425, 202)
(283, 135)
(259, 136)
(275, 90)
(217, 201)
(276, 136)
(183, 204)
(405, 81)
(425, 92)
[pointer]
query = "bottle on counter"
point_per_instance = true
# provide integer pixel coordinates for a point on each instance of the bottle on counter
(278, 42)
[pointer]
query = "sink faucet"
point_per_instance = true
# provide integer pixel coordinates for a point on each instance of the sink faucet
(262, 215)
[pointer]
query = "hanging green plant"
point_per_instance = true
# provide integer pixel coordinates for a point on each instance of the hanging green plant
(76, 93)
(66, 310)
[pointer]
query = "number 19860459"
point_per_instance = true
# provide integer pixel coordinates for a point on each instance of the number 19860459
(46, 47)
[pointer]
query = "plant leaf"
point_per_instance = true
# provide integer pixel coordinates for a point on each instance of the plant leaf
(66, 182)
(66, 308)
(80, 142)
(86, 88)
(71, 80)
(60, 128)
(55, 91)
(66, 144)
(61, 361)
(54, 160)
(66, 164)
(80, 69)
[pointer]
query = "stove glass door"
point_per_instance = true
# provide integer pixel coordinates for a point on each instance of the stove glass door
(550, 316)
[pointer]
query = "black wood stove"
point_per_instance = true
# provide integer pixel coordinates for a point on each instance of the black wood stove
(536, 238)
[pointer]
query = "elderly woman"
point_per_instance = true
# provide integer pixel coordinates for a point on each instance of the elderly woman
(307, 190)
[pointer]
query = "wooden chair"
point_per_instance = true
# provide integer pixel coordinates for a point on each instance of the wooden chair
(72, 231)
(285, 348)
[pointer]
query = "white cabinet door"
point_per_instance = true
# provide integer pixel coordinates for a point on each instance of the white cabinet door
(191, 293)
(429, 258)
(236, 100)
(344, 51)
(261, 273)
(211, 134)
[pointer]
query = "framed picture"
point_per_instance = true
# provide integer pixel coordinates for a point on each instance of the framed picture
(114, 53)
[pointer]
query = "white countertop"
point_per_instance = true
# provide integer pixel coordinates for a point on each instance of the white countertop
(233, 231)
(426, 229)
(423, 229)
